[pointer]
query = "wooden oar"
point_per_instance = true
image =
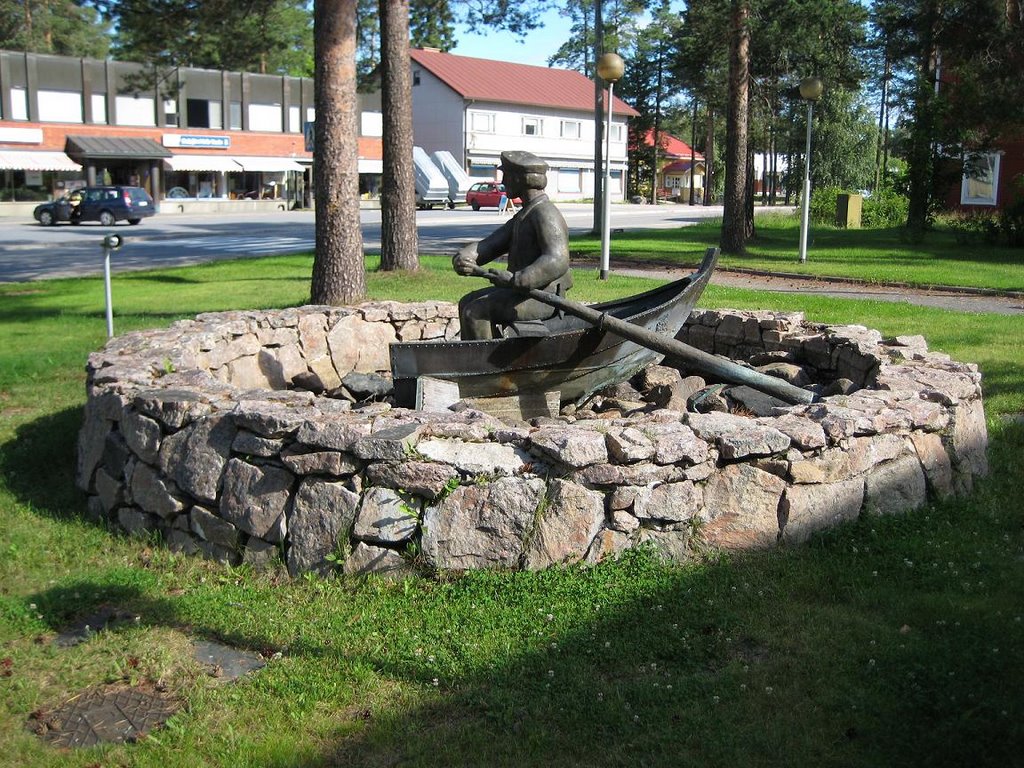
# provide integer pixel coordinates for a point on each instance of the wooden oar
(711, 365)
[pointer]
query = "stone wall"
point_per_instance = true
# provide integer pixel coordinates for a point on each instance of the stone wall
(209, 432)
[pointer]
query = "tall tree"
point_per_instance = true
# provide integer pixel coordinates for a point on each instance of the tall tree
(432, 24)
(339, 273)
(734, 219)
(399, 243)
(61, 27)
(269, 36)
(956, 67)
(647, 87)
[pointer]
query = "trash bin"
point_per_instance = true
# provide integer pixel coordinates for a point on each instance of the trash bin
(848, 208)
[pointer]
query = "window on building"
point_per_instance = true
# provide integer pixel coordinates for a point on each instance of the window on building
(531, 126)
(132, 110)
(99, 108)
(478, 171)
(371, 124)
(569, 180)
(19, 104)
(171, 112)
(980, 185)
(216, 111)
(201, 113)
(571, 129)
(235, 118)
(482, 122)
(294, 123)
(60, 106)
(616, 131)
(415, 77)
(265, 117)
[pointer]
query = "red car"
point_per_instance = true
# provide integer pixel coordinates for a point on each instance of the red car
(487, 194)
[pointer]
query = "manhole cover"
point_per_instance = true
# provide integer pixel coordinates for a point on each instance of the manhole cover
(224, 662)
(105, 618)
(104, 715)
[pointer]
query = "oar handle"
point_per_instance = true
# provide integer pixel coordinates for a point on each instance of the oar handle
(720, 367)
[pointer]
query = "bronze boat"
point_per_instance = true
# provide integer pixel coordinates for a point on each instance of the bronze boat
(567, 354)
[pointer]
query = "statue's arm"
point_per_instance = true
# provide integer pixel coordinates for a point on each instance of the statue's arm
(488, 249)
(495, 244)
(553, 260)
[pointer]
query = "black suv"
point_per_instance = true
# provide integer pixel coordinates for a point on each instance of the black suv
(107, 205)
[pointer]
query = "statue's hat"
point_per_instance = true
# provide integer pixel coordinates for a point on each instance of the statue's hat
(525, 162)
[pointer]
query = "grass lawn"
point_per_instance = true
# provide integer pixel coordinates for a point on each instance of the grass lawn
(889, 641)
(871, 255)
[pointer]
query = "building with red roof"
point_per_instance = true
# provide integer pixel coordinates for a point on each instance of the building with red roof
(478, 108)
(676, 163)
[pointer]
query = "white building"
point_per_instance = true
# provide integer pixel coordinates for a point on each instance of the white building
(477, 108)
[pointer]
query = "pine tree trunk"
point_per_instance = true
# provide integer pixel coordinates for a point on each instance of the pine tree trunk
(339, 274)
(919, 156)
(734, 227)
(399, 243)
(709, 157)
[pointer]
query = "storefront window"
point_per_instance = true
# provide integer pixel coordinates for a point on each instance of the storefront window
(33, 186)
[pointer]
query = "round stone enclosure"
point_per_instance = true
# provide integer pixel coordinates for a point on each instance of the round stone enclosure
(209, 432)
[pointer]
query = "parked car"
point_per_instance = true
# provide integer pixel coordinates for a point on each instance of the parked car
(107, 205)
(487, 194)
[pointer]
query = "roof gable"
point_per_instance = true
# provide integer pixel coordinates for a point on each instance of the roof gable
(671, 146)
(508, 83)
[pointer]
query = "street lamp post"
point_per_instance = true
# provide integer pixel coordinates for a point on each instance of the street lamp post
(810, 91)
(610, 68)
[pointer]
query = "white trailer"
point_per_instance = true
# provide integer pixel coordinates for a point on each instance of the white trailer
(431, 185)
(459, 181)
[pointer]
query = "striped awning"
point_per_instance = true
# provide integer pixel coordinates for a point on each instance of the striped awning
(24, 160)
(202, 163)
(268, 164)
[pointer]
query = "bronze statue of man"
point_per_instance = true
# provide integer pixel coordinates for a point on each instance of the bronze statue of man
(536, 241)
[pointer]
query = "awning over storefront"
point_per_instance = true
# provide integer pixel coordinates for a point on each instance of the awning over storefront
(17, 160)
(202, 163)
(268, 164)
(114, 148)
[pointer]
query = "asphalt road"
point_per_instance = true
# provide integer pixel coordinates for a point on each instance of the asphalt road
(29, 251)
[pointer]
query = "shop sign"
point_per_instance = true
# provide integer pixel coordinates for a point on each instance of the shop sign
(188, 141)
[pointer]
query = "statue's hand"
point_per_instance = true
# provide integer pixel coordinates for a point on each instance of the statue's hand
(502, 277)
(465, 260)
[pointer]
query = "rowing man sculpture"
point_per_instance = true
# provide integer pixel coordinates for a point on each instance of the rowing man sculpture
(536, 241)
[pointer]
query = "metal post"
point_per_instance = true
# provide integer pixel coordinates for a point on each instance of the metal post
(606, 223)
(806, 212)
(106, 287)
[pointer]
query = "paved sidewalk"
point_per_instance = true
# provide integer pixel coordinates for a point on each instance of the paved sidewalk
(965, 300)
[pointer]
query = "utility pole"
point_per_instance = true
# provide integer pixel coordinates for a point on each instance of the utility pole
(598, 120)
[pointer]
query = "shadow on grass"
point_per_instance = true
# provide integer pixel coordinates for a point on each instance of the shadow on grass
(39, 464)
(158, 278)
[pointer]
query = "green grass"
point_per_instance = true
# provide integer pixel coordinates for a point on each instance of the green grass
(870, 255)
(888, 641)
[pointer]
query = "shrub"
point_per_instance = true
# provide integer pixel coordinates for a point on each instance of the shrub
(885, 208)
(823, 204)
(973, 226)
(882, 209)
(1011, 219)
